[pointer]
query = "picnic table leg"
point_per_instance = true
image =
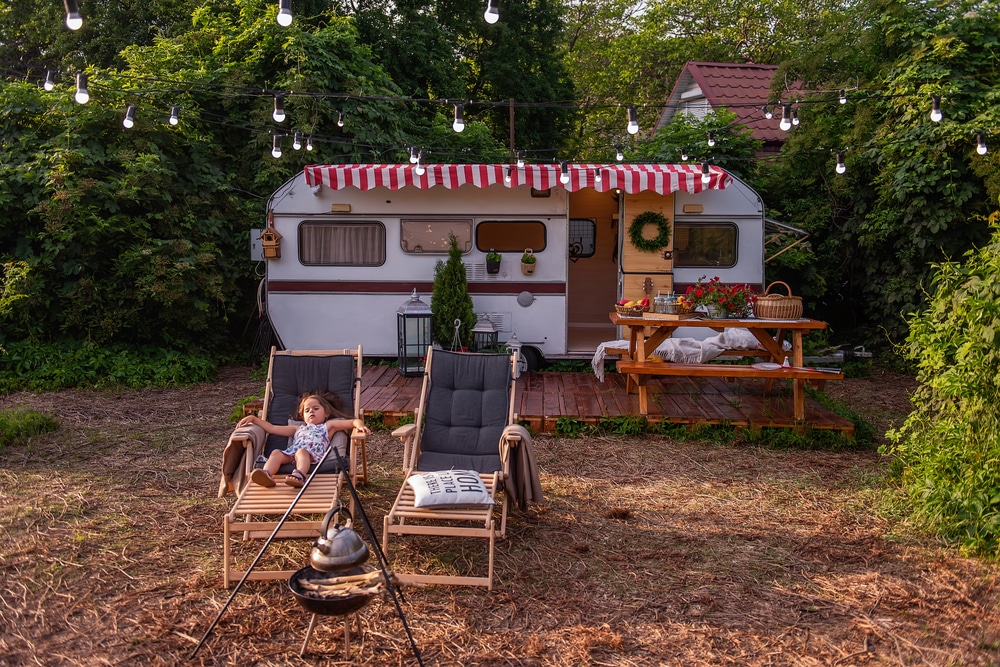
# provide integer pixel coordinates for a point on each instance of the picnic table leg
(799, 391)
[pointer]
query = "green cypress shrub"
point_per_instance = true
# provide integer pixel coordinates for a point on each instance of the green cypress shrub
(451, 301)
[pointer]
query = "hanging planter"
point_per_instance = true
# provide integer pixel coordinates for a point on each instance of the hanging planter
(635, 232)
(528, 262)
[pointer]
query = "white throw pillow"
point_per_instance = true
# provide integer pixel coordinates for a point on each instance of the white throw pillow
(449, 487)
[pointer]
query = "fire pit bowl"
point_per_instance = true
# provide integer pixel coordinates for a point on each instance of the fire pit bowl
(335, 593)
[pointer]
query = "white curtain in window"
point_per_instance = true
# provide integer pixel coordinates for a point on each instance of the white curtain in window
(342, 244)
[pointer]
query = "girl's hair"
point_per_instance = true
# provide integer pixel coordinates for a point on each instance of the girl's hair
(329, 401)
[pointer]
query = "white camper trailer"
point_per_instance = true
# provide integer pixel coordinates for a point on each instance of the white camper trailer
(346, 245)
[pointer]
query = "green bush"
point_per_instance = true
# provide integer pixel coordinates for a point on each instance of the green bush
(17, 426)
(50, 366)
(948, 450)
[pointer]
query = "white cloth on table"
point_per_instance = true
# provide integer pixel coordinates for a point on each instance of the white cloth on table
(687, 350)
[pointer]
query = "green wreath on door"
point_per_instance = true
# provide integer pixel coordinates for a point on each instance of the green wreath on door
(662, 239)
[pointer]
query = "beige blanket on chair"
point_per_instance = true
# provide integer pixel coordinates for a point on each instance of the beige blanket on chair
(243, 442)
(524, 485)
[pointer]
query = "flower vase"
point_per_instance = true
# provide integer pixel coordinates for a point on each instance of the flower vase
(716, 312)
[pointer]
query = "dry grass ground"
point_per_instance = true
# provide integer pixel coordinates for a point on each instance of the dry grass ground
(647, 551)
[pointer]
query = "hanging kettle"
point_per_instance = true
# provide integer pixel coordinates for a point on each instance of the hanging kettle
(338, 547)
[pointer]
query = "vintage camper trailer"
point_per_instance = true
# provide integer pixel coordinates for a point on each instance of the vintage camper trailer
(356, 240)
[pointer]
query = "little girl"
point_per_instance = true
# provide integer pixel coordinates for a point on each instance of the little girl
(308, 442)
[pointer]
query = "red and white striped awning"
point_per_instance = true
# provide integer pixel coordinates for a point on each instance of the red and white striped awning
(631, 178)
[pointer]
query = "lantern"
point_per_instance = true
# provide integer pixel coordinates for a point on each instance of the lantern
(484, 334)
(413, 328)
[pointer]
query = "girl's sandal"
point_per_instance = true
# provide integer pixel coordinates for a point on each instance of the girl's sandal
(295, 479)
(262, 477)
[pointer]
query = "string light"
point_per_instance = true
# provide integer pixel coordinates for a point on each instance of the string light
(564, 172)
(711, 139)
(786, 117)
(309, 143)
(492, 14)
(341, 118)
(684, 155)
(633, 123)
(843, 96)
(420, 168)
(459, 123)
(598, 175)
(936, 114)
(413, 154)
(175, 115)
(129, 120)
(618, 154)
(981, 143)
(297, 141)
(279, 108)
(795, 116)
(767, 112)
(284, 16)
(49, 83)
(706, 176)
(506, 178)
(73, 19)
(82, 95)
(841, 167)
(276, 147)
(520, 159)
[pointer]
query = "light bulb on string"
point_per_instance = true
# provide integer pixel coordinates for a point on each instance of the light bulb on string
(936, 114)
(706, 175)
(297, 141)
(175, 115)
(786, 117)
(73, 19)
(633, 122)
(276, 147)
(711, 139)
(420, 169)
(284, 16)
(82, 95)
(279, 108)
(129, 120)
(459, 123)
(413, 154)
(598, 176)
(309, 143)
(843, 96)
(341, 119)
(49, 83)
(520, 159)
(506, 178)
(981, 143)
(795, 116)
(841, 167)
(564, 172)
(492, 14)
(684, 155)
(767, 112)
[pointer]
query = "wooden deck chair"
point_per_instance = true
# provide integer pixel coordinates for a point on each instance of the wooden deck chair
(258, 510)
(466, 403)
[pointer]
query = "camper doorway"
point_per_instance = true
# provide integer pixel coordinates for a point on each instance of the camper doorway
(592, 276)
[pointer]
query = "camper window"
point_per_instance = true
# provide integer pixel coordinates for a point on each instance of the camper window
(705, 244)
(510, 235)
(342, 243)
(433, 235)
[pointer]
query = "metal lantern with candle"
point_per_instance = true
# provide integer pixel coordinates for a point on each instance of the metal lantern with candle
(413, 328)
(484, 335)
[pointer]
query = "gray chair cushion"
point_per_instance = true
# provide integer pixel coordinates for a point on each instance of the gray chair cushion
(293, 376)
(466, 412)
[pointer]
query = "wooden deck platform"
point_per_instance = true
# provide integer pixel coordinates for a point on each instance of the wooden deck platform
(543, 397)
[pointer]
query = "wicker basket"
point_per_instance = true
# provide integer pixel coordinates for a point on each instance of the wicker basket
(630, 312)
(778, 306)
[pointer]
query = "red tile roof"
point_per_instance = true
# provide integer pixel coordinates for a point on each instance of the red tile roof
(743, 89)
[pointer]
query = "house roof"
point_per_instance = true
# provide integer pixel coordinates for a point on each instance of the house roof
(743, 89)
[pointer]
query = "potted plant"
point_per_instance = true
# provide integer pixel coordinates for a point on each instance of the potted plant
(492, 262)
(721, 301)
(528, 262)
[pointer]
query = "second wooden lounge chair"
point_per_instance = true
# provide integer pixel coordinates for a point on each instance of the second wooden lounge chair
(461, 424)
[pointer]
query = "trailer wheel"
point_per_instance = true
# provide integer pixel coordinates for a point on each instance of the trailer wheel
(530, 360)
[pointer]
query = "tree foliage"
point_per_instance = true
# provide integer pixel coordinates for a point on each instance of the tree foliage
(949, 447)
(451, 301)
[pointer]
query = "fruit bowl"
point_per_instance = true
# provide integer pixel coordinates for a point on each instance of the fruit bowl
(631, 311)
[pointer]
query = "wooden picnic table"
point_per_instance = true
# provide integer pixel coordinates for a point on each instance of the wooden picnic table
(646, 334)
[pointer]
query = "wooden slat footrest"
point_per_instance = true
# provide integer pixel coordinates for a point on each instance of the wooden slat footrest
(724, 370)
